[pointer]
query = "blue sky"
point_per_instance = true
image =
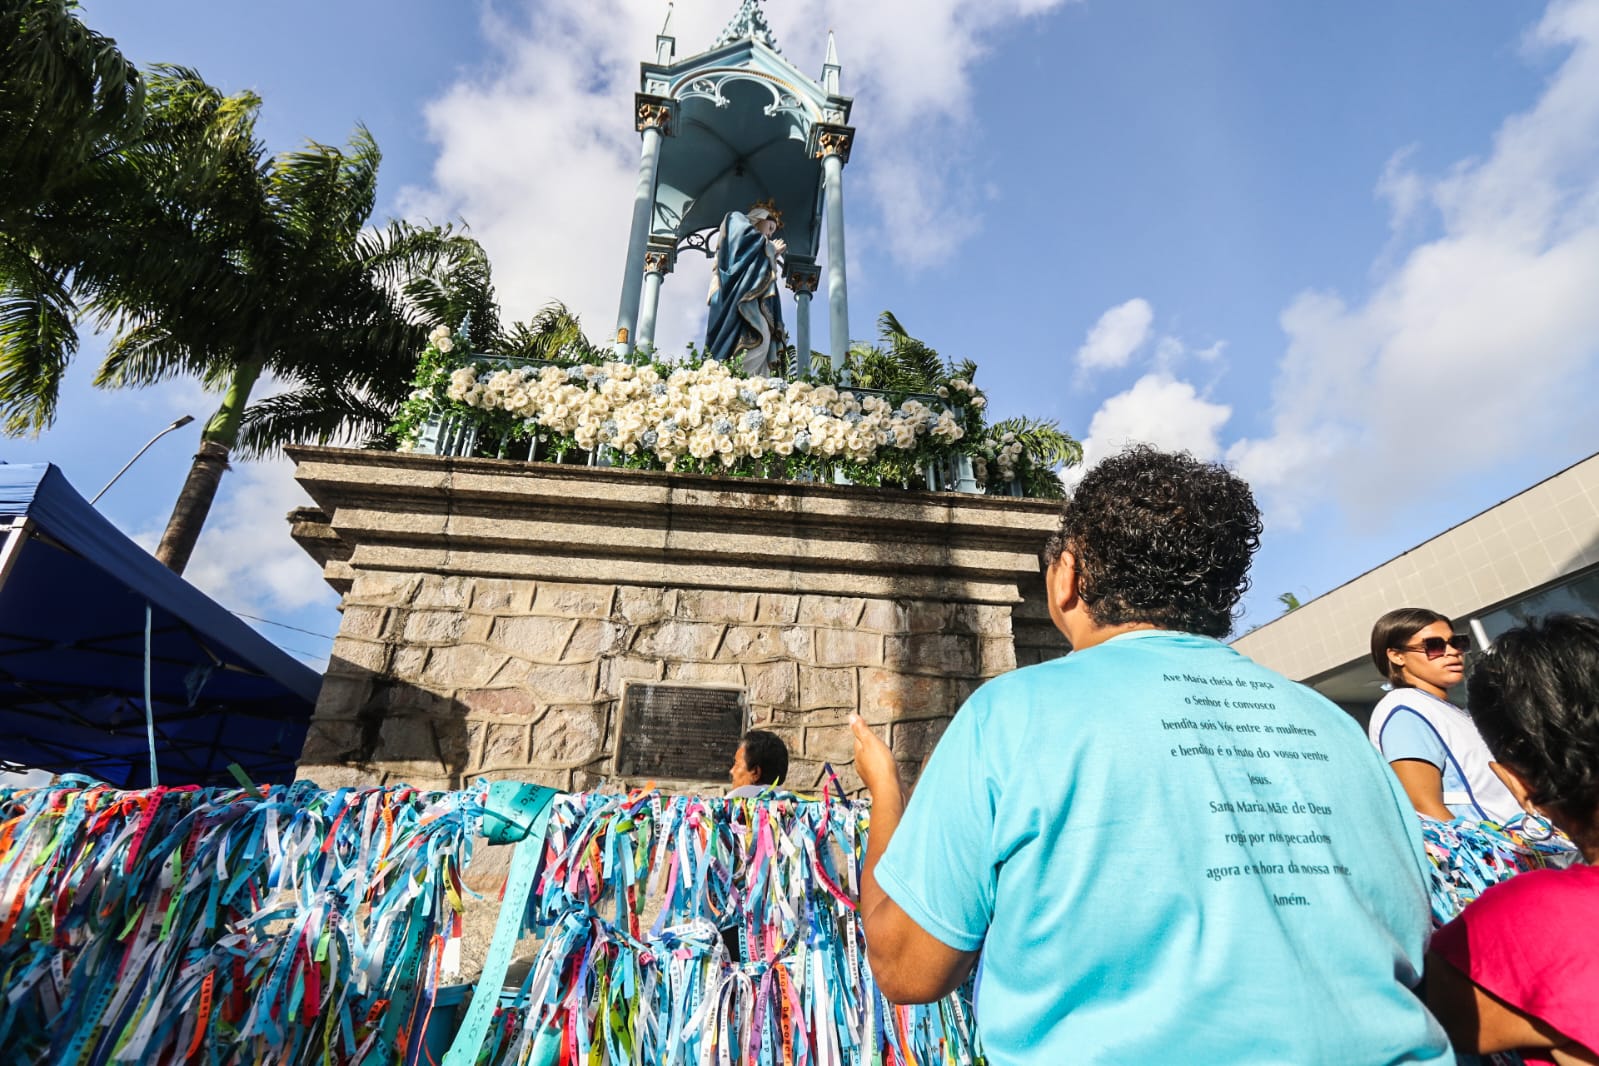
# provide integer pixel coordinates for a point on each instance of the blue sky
(1350, 248)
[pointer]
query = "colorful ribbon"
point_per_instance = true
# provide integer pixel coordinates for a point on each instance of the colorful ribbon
(301, 925)
(1468, 856)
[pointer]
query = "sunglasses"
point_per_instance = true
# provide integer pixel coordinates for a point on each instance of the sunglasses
(1434, 647)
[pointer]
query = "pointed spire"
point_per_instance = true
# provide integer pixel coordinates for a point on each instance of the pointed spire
(749, 22)
(665, 43)
(830, 67)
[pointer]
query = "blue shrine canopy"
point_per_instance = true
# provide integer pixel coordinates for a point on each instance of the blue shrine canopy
(73, 591)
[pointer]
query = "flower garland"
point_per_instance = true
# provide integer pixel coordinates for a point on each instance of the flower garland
(705, 417)
(704, 412)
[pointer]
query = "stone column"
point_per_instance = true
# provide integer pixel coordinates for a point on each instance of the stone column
(833, 147)
(657, 264)
(653, 120)
(802, 279)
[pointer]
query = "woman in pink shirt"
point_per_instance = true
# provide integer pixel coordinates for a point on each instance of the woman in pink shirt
(1519, 969)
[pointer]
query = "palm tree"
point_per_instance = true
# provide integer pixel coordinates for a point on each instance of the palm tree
(68, 101)
(901, 363)
(554, 334)
(352, 390)
(211, 260)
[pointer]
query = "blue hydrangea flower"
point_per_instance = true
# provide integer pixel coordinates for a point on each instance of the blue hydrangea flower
(748, 396)
(853, 418)
(599, 380)
(820, 409)
(608, 429)
(574, 373)
(802, 441)
(754, 419)
(722, 427)
(649, 438)
(668, 426)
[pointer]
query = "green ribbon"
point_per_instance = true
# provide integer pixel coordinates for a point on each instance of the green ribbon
(520, 813)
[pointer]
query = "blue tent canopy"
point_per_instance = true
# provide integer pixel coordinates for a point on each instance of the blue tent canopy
(73, 591)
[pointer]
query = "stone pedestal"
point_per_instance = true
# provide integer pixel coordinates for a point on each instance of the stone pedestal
(494, 610)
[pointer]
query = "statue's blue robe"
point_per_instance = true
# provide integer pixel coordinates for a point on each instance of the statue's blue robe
(746, 317)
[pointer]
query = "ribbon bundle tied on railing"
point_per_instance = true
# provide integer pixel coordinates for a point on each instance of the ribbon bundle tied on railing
(305, 925)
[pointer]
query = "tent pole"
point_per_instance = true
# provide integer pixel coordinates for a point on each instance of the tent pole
(149, 711)
(17, 533)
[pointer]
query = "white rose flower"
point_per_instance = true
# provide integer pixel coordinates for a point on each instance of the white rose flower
(445, 345)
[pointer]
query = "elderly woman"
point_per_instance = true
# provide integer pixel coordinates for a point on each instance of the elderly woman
(745, 325)
(1519, 969)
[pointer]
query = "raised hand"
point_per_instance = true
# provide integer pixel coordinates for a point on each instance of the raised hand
(873, 760)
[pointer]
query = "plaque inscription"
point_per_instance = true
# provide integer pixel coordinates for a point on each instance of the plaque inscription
(686, 732)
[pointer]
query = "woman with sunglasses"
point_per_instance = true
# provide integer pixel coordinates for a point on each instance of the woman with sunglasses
(1432, 745)
(1518, 970)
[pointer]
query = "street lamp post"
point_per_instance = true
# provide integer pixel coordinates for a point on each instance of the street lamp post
(179, 424)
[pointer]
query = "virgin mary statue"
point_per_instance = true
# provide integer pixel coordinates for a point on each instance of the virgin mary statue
(746, 318)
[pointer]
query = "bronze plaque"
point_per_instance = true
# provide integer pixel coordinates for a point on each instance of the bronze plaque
(686, 732)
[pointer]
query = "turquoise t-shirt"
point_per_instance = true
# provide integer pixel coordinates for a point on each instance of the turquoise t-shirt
(1168, 853)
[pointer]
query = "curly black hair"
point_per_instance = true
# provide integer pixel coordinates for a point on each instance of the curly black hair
(1160, 537)
(1535, 699)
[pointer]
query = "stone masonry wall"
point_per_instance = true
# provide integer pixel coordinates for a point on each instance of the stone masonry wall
(494, 610)
(436, 680)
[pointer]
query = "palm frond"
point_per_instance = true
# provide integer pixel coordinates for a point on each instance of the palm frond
(918, 362)
(310, 415)
(37, 341)
(147, 353)
(1043, 439)
(66, 95)
(554, 333)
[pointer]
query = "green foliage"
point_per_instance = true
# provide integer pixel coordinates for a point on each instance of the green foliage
(554, 334)
(67, 95)
(208, 258)
(1018, 455)
(1289, 601)
(68, 100)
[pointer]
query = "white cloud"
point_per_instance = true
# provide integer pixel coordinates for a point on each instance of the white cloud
(538, 153)
(1402, 187)
(1481, 343)
(1119, 333)
(245, 558)
(1160, 410)
(1170, 352)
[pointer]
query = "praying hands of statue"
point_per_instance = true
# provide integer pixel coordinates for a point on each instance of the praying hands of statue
(780, 244)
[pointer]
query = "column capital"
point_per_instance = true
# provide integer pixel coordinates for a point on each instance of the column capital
(660, 261)
(802, 279)
(832, 139)
(653, 112)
